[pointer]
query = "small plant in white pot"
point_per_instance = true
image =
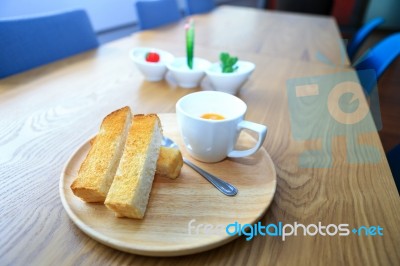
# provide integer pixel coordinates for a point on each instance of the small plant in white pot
(188, 71)
(229, 74)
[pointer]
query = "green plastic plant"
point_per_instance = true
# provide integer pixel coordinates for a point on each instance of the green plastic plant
(228, 63)
(189, 42)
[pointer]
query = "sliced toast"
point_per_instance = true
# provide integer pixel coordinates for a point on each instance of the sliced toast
(129, 193)
(97, 171)
(169, 163)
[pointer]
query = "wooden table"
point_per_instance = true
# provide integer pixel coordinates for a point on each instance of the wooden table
(309, 38)
(48, 112)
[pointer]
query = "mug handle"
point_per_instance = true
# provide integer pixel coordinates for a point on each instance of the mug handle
(262, 132)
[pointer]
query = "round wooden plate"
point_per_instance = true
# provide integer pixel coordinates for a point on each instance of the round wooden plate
(184, 216)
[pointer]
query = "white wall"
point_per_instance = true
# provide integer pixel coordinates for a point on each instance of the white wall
(104, 14)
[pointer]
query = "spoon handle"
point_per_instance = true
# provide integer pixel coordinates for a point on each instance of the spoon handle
(221, 185)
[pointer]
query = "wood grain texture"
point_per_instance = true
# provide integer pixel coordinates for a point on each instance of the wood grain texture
(47, 113)
(165, 230)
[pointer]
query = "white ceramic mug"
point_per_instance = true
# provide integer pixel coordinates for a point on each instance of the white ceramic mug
(210, 140)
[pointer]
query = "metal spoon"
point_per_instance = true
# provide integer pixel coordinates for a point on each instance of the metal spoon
(221, 185)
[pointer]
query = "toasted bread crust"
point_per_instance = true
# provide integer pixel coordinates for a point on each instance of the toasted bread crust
(98, 169)
(169, 163)
(129, 193)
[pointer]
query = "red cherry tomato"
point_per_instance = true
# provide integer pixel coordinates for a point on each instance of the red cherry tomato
(152, 57)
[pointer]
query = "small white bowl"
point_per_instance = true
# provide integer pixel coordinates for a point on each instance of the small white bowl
(152, 71)
(186, 77)
(230, 82)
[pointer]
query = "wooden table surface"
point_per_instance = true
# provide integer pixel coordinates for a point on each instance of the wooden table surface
(309, 38)
(48, 112)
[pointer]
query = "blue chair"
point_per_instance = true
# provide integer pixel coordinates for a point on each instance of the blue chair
(361, 35)
(377, 60)
(199, 6)
(26, 43)
(155, 13)
(381, 55)
(393, 157)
